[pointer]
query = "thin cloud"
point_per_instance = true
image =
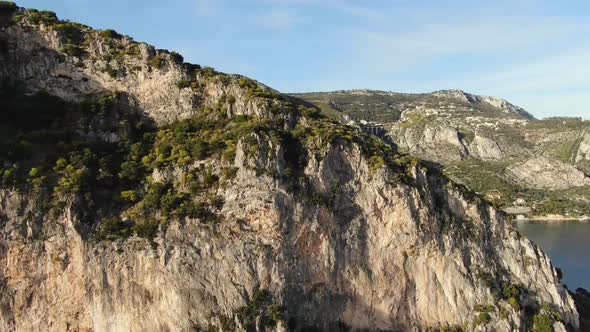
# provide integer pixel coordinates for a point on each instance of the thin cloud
(423, 42)
(346, 7)
(278, 19)
(206, 7)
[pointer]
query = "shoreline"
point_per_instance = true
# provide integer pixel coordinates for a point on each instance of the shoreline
(555, 219)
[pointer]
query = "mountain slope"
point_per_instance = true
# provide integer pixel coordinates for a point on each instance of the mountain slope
(141, 193)
(486, 143)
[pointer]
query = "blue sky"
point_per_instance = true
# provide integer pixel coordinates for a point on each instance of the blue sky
(534, 53)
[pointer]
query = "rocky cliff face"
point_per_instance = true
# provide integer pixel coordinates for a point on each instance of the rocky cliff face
(583, 152)
(382, 257)
(544, 173)
(495, 102)
(313, 226)
(158, 82)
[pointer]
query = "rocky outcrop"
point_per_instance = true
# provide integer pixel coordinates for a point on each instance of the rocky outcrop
(583, 153)
(439, 142)
(495, 102)
(545, 173)
(157, 90)
(485, 148)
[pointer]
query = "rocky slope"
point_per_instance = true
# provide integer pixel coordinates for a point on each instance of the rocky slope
(141, 193)
(490, 145)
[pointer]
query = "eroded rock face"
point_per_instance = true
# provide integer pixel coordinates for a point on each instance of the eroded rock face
(545, 173)
(485, 148)
(492, 101)
(35, 63)
(584, 149)
(382, 257)
(438, 142)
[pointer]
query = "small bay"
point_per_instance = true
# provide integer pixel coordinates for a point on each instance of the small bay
(568, 246)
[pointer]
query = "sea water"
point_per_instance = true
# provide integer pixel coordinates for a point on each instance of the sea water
(568, 246)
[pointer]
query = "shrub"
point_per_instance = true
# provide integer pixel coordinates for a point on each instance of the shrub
(146, 229)
(485, 308)
(132, 50)
(483, 318)
(260, 306)
(72, 31)
(129, 196)
(176, 57)
(112, 227)
(113, 72)
(72, 50)
(514, 303)
(183, 84)
(156, 61)
(110, 33)
(42, 17)
(36, 177)
(511, 291)
(542, 323)
(375, 163)
(34, 172)
(310, 113)
(208, 72)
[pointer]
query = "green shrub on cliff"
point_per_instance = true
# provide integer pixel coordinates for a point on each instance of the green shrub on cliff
(72, 50)
(542, 323)
(72, 31)
(110, 33)
(157, 61)
(41, 17)
(483, 318)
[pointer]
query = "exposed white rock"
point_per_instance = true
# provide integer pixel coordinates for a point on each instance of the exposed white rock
(440, 142)
(493, 101)
(485, 148)
(584, 148)
(545, 173)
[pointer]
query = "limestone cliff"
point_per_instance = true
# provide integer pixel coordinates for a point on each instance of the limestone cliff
(247, 210)
(583, 152)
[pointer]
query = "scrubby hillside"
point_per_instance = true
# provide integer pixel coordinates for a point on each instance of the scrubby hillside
(142, 193)
(493, 147)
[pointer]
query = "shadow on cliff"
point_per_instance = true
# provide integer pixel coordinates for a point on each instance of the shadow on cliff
(38, 128)
(324, 249)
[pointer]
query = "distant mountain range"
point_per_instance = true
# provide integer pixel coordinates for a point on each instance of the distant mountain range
(487, 143)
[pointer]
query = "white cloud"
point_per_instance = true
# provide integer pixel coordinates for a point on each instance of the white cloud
(343, 6)
(278, 19)
(206, 7)
(424, 41)
(566, 70)
(569, 104)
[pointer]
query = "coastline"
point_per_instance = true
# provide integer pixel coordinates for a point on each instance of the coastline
(555, 219)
